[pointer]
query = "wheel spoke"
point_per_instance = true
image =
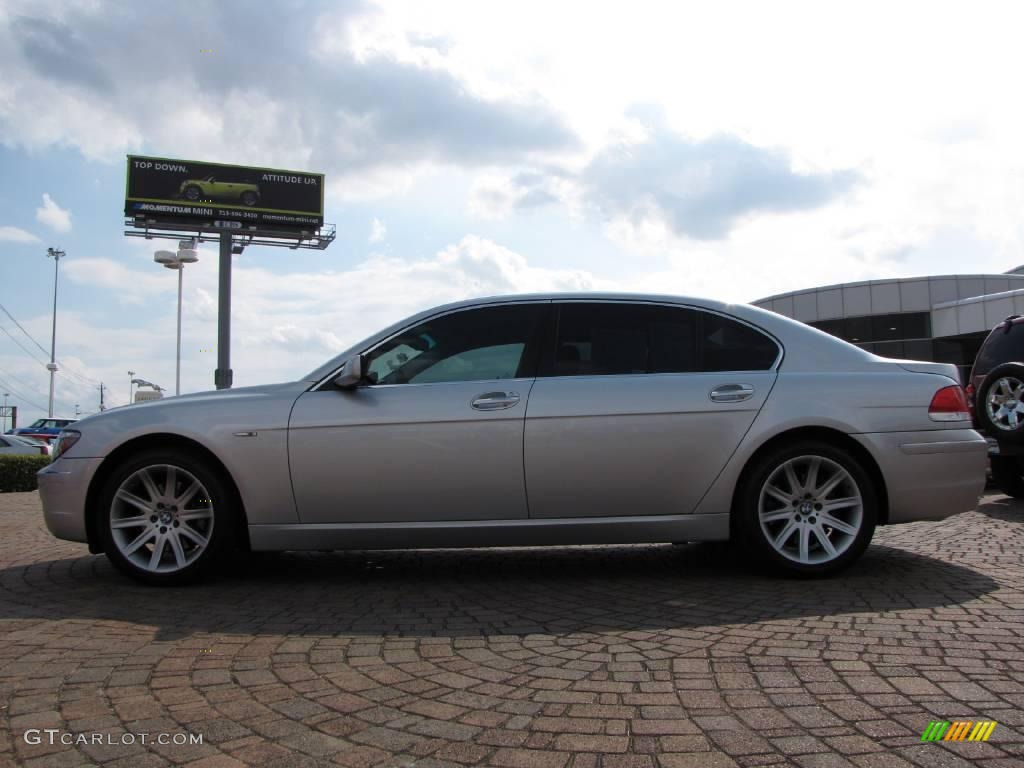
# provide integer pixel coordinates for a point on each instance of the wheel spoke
(193, 534)
(795, 486)
(831, 484)
(805, 541)
(837, 524)
(130, 498)
(195, 514)
(778, 494)
(139, 540)
(824, 540)
(170, 481)
(147, 481)
(189, 492)
(179, 553)
(783, 537)
(833, 505)
(774, 517)
(130, 522)
(158, 552)
(812, 473)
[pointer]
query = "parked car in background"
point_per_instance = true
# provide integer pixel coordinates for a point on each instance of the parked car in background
(995, 393)
(537, 420)
(211, 188)
(11, 445)
(44, 429)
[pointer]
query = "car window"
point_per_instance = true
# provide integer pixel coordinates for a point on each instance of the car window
(607, 338)
(37, 424)
(1000, 347)
(470, 345)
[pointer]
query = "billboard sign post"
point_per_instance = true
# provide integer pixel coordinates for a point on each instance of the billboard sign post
(232, 205)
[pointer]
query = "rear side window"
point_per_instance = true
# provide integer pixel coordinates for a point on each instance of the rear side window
(1000, 347)
(607, 339)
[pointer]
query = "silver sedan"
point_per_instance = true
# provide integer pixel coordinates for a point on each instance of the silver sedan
(533, 420)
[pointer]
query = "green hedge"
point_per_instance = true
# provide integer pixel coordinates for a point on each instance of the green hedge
(18, 473)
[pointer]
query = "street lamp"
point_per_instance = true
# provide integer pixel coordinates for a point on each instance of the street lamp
(4, 428)
(52, 365)
(77, 411)
(186, 255)
(130, 374)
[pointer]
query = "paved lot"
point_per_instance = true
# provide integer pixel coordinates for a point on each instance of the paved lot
(624, 657)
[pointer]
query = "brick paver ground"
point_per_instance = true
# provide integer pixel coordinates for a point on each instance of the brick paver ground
(585, 657)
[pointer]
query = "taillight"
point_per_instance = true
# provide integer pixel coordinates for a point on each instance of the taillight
(949, 404)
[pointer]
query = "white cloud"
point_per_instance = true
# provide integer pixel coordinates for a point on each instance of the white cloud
(377, 231)
(17, 235)
(53, 216)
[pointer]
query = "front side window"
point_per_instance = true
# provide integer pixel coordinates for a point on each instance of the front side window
(607, 339)
(470, 345)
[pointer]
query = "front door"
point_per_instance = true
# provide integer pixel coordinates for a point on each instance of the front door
(640, 407)
(436, 434)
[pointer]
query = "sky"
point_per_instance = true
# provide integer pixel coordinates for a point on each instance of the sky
(726, 150)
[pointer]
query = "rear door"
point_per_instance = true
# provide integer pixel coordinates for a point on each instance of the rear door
(639, 406)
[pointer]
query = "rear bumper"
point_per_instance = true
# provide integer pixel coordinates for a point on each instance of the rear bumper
(62, 487)
(929, 475)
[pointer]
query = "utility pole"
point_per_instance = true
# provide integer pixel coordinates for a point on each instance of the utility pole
(4, 428)
(102, 406)
(223, 375)
(52, 366)
(130, 382)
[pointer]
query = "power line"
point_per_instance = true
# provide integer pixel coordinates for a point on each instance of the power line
(27, 352)
(23, 330)
(14, 393)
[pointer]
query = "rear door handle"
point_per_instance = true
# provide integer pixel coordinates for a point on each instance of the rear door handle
(495, 401)
(731, 393)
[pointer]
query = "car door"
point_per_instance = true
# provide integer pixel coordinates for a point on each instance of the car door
(435, 434)
(639, 406)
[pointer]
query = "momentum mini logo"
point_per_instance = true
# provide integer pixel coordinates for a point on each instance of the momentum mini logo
(958, 730)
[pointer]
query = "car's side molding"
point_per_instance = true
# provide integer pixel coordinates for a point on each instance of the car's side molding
(491, 533)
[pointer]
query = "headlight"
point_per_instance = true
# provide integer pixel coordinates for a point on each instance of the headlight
(64, 441)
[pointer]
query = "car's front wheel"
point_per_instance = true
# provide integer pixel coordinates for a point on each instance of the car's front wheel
(165, 517)
(807, 508)
(249, 198)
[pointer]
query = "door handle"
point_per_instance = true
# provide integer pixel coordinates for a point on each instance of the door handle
(731, 393)
(495, 401)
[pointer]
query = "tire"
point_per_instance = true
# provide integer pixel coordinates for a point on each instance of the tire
(1007, 475)
(999, 406)
(780, 522)
(194, 530)
(249, 198)
(193, 193)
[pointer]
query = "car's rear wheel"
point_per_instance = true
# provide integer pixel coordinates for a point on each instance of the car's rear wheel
(193, 193)
(249, 198)
(1000, 403)
(807, 508)
(165, 517)
(1008, 475)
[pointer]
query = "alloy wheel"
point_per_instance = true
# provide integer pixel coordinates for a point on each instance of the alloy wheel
(161, 518)
(1004, 403)
(810, 509)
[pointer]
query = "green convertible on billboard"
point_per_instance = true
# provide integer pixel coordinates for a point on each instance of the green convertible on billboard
(192, 192)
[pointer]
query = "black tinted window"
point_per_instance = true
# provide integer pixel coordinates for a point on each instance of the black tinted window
(471, 345)
(1000, 347)
(614, 339)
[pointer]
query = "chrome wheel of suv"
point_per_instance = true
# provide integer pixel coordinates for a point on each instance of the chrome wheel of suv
(1004, 403)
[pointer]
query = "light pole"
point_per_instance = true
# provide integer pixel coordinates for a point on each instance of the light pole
(130, 374)
(77, 411)
(52, 366)
(186, 255)
(4, 428)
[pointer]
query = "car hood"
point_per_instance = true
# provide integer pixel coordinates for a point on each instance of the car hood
(200, 416)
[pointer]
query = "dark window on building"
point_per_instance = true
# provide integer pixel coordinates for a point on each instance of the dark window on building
(918, 349)
(858, 329)
(889, 349)
(834, 327)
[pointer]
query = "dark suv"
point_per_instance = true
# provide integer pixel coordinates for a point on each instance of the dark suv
(995, 393)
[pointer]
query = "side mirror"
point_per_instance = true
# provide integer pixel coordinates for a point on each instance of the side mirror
(351, 375)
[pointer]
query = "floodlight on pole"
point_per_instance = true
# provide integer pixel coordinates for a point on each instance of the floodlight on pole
(52, 365)
(130, 374)
(177, 261)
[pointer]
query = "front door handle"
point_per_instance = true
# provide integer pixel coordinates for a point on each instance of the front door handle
(495, 401)
(731, 393)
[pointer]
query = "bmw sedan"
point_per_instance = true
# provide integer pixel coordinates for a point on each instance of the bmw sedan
(533, 420)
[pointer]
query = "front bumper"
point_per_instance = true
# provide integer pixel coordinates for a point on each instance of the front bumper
(62, 487)
(931, 474)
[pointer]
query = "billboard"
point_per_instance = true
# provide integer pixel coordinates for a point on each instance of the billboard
(186, 192)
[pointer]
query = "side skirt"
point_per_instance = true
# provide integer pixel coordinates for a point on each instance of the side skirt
(491, 533)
